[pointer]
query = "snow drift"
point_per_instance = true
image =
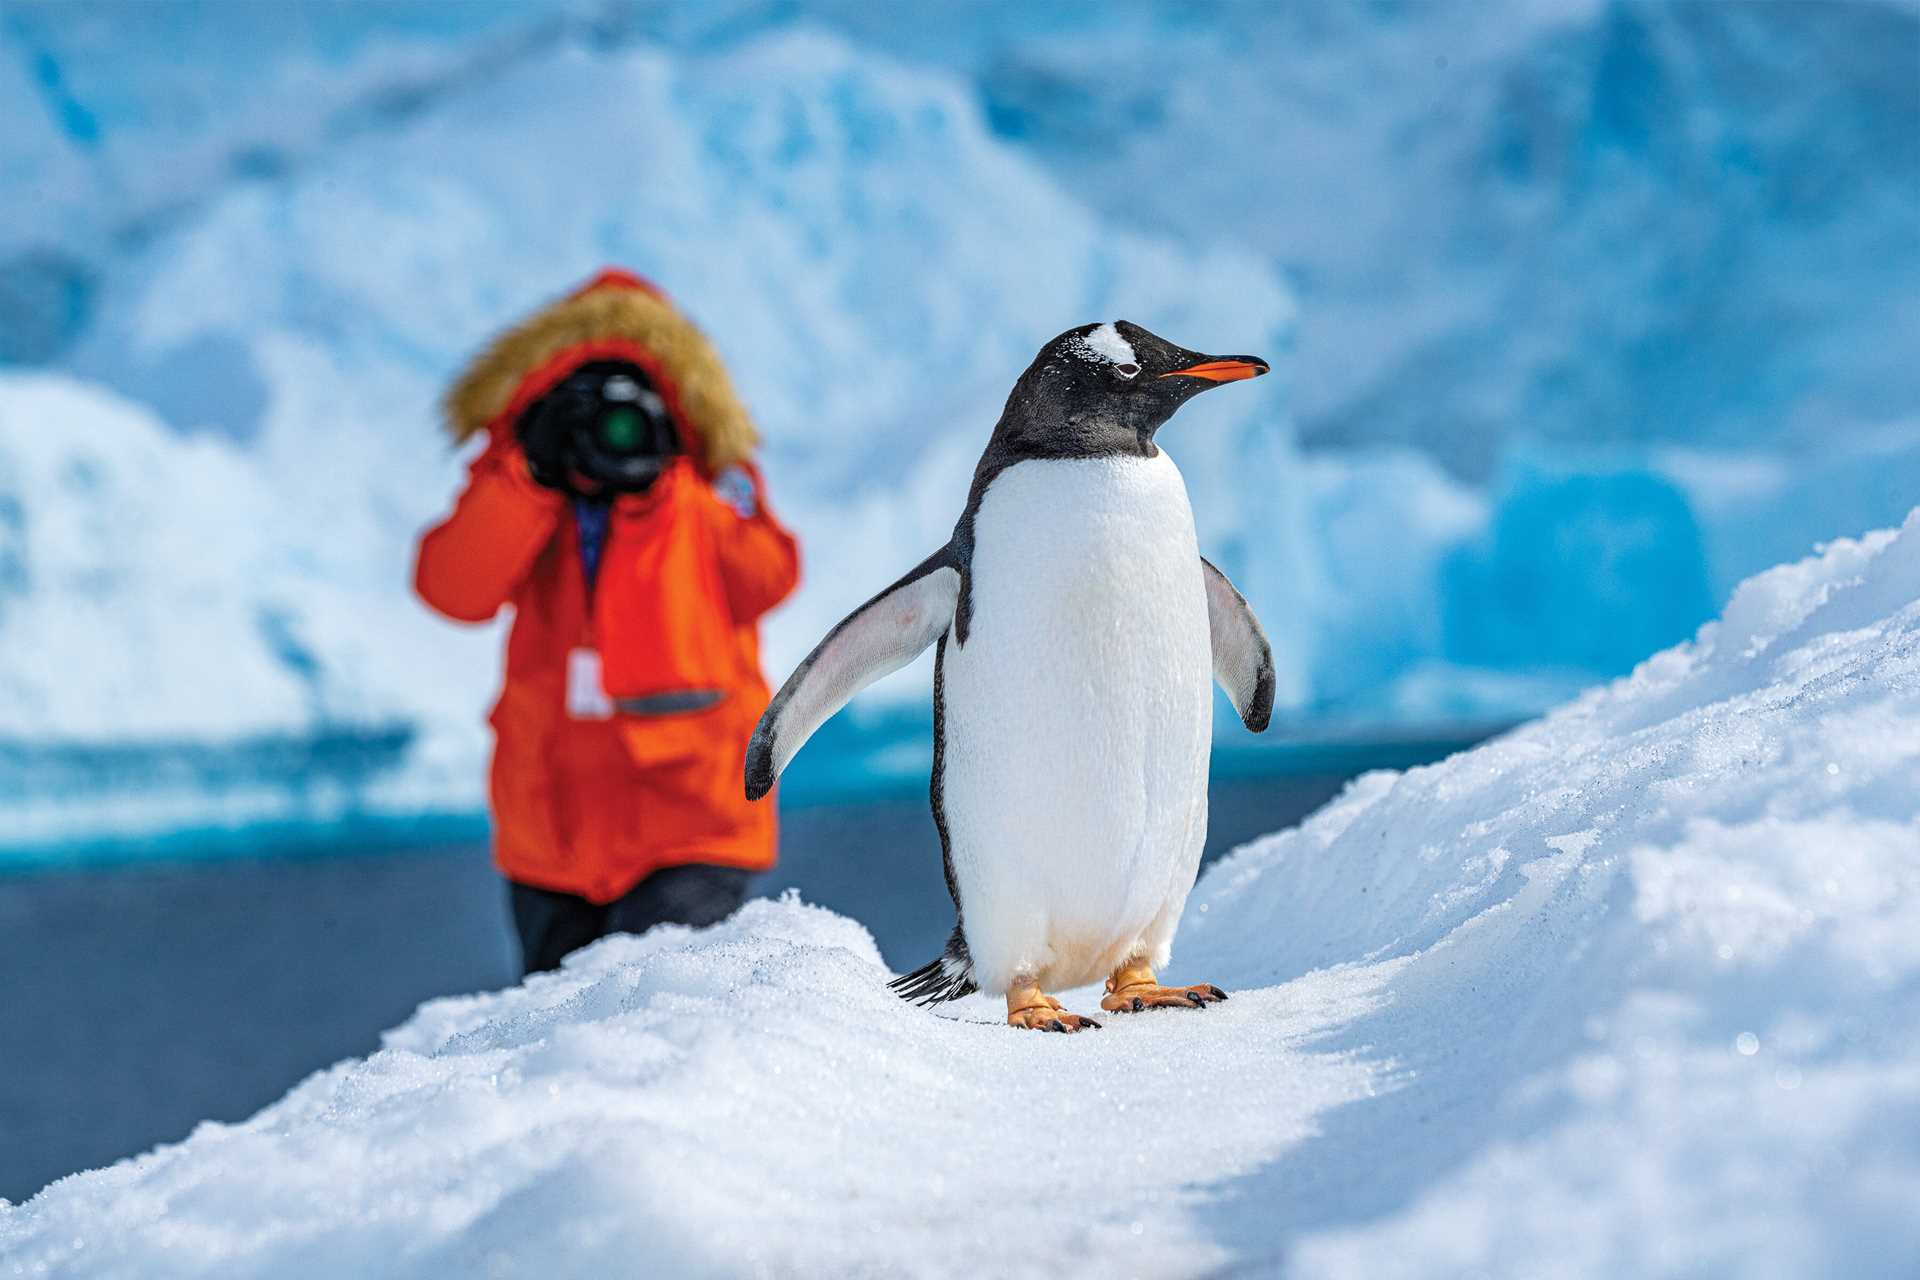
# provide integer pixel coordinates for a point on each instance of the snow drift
(1632, 990)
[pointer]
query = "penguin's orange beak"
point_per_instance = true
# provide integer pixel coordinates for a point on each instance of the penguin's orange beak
(1225, 369)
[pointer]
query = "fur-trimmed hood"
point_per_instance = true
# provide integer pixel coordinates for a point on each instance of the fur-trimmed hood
(616, 316)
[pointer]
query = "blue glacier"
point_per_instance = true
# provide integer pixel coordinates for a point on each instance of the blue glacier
(1585, 570)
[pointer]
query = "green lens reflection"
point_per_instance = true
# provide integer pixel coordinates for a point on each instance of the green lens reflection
(620, 430)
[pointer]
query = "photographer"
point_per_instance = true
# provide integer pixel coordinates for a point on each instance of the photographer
(616, 508)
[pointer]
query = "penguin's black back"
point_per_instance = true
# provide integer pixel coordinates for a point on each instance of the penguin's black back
(949, 976)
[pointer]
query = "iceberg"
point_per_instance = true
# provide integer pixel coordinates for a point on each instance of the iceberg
(1564, 548)
(1617, 283)
(1630, 989)
(293, 335)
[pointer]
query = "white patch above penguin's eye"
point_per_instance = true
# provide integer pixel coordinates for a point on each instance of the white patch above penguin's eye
(1127, 369)
(1107, 343)
(1103, 345)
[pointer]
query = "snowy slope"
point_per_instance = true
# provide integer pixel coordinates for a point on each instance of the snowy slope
(1632, 990)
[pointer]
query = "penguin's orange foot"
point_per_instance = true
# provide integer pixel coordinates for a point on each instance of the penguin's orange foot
(1143, 996)
(1033, 1010)
(1134, 989)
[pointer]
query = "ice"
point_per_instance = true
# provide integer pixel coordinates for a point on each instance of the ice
(1601, 306)
(310, 323)
(143, 591)
(1568, 220)
(1630, 990)
(179, 651)
(1565, 549)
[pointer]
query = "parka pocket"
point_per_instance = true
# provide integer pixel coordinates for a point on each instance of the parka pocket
(690, 768)
(667, 729)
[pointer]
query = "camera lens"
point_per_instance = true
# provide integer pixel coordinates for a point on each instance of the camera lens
(621, 431)
(622, 435)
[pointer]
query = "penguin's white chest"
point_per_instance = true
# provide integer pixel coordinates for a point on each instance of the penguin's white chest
(1077, 720)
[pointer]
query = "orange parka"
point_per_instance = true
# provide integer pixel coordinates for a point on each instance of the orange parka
(613, 757)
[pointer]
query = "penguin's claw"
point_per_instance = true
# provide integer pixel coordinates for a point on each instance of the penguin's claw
(1042, 1017)
(1035, 1010)
(1130, 992)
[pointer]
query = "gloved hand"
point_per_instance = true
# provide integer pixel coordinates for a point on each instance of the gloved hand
(735, 488)
(543, 436)
(603, 430)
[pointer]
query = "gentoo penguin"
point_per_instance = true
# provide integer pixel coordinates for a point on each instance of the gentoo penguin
(1078, 631)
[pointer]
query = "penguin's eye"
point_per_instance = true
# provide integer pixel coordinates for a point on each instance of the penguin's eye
(1126, 370)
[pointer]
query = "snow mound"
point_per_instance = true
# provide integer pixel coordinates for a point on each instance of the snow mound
(748, 1099)
(1632, 990)
(1650, 966)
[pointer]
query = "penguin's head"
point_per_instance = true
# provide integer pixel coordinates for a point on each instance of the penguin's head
(1106, 388)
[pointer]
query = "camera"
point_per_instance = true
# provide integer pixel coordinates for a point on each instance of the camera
(602, 430)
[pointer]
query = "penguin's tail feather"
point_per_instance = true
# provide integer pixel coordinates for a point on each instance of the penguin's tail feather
(947, 978)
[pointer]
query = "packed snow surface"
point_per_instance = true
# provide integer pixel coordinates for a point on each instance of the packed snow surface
(1632, 990)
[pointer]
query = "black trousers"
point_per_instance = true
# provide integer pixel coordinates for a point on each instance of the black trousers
(553, 924)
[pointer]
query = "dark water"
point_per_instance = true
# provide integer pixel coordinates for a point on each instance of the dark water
(142, 1000)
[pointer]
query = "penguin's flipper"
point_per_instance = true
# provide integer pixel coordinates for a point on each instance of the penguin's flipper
(1242, 659)
(877, 639)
